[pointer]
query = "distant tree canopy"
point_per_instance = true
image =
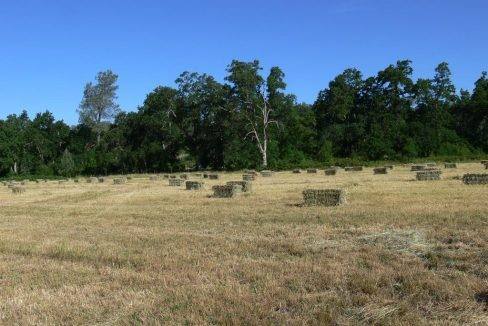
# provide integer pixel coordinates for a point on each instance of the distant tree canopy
(251, 121)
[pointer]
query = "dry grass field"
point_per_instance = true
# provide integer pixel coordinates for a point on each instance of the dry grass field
(398, 252)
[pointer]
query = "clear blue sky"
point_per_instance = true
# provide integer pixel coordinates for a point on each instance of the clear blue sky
(49, 49)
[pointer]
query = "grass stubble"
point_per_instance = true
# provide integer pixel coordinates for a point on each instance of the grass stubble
(399, 252)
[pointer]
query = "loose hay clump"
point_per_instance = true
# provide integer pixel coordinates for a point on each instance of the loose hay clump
(324, 197)
(17, 190)
(213, 176)
(380, 170)
(175, 182)
(331, 171)
(248, 177)
(246, 185)
(267, 173)
(194, 185)
(450, 165)
(311, 170)
(296, 171)
(429, 175)
(353, 168)
(475, 178)
(417, 168)
(227, 191)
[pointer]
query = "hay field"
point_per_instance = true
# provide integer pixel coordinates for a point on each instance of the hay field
(399, 252)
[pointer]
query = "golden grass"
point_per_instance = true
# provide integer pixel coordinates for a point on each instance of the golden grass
(399, 252)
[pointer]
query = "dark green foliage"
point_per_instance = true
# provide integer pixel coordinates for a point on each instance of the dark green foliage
(205, 124)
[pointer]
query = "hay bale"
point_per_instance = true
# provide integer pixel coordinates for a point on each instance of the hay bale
(246, 186)
(175, 182)
(76, 180)
(431, 164)
(450, 165)
(353, 168)
(101, 179)
(389, 167)
(267, 173)
(484, 162)
(184, 176)
(324, 197)
(475, 178)
(331, 171)
(227, 191)
(194, 185)
(129, 177)
(429, 175)
(248, 177)
(380, 170)
(17, 189)
(153, 178)
(119, 181)
(311, 170)
(417, 168)
(205, 175)
(197, 175)
(213, 176)
(297, 171)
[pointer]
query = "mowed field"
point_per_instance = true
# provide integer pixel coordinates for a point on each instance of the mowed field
(398, 252)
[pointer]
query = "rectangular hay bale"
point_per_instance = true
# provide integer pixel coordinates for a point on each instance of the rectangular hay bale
(267, 173)
(428, 175)
(175, 182)
(226, 191)
(475, 178)
(194, 185)
(324, 197)
(380, 170)
(246, 185)
(353, 168)
(311, 170)
(450, 165)
(332, 171)
(248, 177)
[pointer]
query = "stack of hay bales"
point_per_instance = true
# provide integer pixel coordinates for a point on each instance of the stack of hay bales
(153, 178)
(475, 178)
(324, 197)
(213, 176)
(331, 171)
(380, 170)
(311, 170)
(184, 176)
(194, 185)
(175, 182)
(429, 175)
(227, 191)
(450, 165)
(119, 181)
(101, 179)
(17, 189)
(266, 173)
(297, 171)
(353, 168)
(248, 177)
(245, 185)
(417, 168)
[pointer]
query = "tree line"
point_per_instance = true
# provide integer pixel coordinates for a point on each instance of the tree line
(251, 121)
